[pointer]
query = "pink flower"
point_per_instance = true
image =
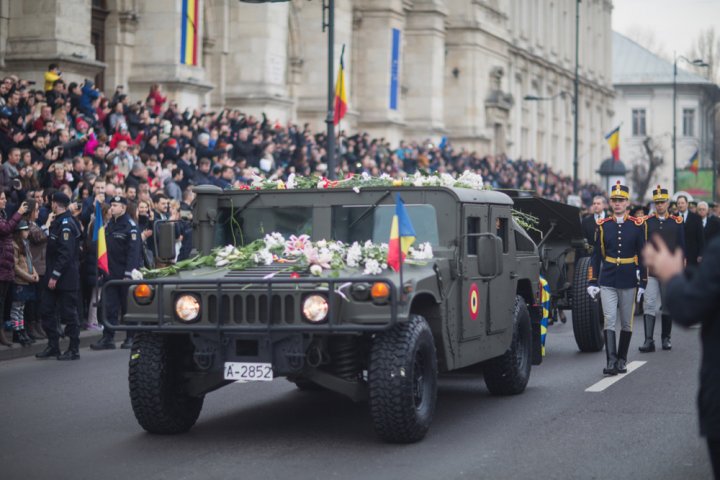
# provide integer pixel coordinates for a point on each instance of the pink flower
(295, 245)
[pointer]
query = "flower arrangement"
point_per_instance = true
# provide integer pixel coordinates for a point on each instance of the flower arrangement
(300, 254)
(467, 179)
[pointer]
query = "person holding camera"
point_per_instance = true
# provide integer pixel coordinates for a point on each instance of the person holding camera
(7, 259)
(51, 76)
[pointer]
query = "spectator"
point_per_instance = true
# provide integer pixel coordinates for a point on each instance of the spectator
(51, 76)
(7, 261)
(172, 184)
(156, 100)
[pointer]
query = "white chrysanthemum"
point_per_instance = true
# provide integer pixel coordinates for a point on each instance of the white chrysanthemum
(316, 270)
(447, 180)
(274, 239)
(368, 243)
(263, 257)
(290, 184)
(372, 267)
(322, 243)
(422, 252)
(221, 262)
(365, 176)
(354, 255)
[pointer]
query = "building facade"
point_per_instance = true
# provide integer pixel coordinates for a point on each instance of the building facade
(644, 85)
(416, 69)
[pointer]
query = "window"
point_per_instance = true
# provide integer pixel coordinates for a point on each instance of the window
(473, 229)
(501, 226)
(688, 122)
(234, 227)
(355, 223)
(638, 122)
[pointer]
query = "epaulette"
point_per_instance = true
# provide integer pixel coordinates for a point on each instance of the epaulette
(637, 220)
(677, 218)
(603, 220)
(65, 220)
(132, 222)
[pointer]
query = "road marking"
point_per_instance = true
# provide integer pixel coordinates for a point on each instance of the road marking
(606, 382)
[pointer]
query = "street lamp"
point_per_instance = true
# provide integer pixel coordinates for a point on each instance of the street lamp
(328, 7)
(698, 63)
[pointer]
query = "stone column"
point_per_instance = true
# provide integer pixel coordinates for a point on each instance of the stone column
(53, 31)
(424, 69)
(376, 20)
(309, 56)
(159, 23)
(257, 60)
(120, 27)
(215, 48)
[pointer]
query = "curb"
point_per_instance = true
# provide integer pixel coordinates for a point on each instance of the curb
(87, 337)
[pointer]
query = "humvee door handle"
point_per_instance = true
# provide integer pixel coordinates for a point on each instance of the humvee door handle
(514, 275)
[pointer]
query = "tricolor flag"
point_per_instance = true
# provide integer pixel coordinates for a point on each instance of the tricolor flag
(189, 30)
(613, 139)
(99, 237)
(695, 162)
(340, 92)
(402, 235)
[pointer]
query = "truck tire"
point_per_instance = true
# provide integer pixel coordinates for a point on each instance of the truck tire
(402, 381)
(587, 315)
(158, 399)
(509, 373)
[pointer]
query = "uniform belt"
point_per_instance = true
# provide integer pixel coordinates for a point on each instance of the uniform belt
(622, 261)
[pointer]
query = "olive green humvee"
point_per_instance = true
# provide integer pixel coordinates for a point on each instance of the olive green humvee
(473, 306)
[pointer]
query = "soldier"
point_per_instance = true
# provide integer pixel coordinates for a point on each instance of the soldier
(660, 223)
(615, 261)
(61, 282)
(123, 251)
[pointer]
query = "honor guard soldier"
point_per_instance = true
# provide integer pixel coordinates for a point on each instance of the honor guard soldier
(615, 263)
(123, 251)
(671, 229)
(61, 283)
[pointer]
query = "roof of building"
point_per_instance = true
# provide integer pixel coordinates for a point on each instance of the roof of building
(634, 64)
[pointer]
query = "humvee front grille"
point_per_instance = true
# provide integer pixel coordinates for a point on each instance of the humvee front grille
(252, 308)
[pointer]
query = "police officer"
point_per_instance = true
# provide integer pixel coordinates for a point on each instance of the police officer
(61, 283)
(615, 262)
(660, 223)
(123, 251)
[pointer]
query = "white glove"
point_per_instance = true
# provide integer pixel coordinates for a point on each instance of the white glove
(593, 291)
(639, 294)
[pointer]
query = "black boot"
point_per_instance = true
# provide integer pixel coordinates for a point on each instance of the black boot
(105, 343)
(52, 350)
(623, 347)
(649, 345)
(665, 333)
(24, 335)
(611, 353)
(69, 355)
(127, 344)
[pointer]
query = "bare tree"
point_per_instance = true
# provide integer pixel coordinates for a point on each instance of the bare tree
(643, 170)
(647, 38)
(706, 47)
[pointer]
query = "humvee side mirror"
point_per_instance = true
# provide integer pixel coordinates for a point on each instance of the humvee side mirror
(490, 256)
(165, 241)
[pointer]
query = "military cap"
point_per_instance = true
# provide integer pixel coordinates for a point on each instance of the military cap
(620, 191)
(660, 194)
(61, 199)
(118, 199)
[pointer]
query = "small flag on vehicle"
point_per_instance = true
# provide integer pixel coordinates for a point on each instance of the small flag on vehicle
(402, 235)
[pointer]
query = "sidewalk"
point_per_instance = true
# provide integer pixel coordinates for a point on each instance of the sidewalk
(17, 351)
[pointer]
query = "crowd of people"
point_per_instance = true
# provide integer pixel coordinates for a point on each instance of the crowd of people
(69, 137)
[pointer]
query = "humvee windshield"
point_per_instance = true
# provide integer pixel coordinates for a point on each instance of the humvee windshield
(348, 223)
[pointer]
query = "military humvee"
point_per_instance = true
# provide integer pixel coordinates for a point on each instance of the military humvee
(473, 306)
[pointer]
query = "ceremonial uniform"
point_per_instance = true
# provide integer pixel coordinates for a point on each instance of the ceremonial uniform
(124, 256)
(671, 227)
(618, 270)
(62, 265)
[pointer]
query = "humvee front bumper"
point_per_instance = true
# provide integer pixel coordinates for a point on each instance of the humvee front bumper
(255, 305)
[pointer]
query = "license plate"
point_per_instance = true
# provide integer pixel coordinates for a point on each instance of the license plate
(248, 372)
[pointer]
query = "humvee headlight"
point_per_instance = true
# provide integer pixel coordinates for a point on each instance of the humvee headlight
(143, 294)
(380, 292)
(187, 308)
(315, 308)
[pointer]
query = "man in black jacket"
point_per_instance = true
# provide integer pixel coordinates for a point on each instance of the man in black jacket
(690, 300)
(590, 222)
(711, 224)
(694, 235)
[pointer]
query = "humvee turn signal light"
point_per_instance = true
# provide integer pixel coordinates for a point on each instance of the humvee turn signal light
(380, 292)
(143, 294)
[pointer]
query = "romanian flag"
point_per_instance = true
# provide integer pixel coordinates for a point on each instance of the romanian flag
(695, 162)
(402, 235)
(613, 139)
(340, 92)
(99, 237)
(189, 22)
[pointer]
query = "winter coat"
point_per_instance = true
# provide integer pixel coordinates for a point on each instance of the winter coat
(23, 276)
(7, 256)
(89, 95)
(38, 243)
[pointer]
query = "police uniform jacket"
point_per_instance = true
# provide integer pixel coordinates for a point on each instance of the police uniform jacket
(62, 256)
(616, 256)
(697, 300)
(123, 247)
(671, 223)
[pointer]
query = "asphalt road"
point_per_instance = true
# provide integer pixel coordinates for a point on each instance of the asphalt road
(73, 420)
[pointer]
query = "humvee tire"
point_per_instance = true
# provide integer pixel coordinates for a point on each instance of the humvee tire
(158, 400)
(587, 316)
(509, 373)
(402, 381)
